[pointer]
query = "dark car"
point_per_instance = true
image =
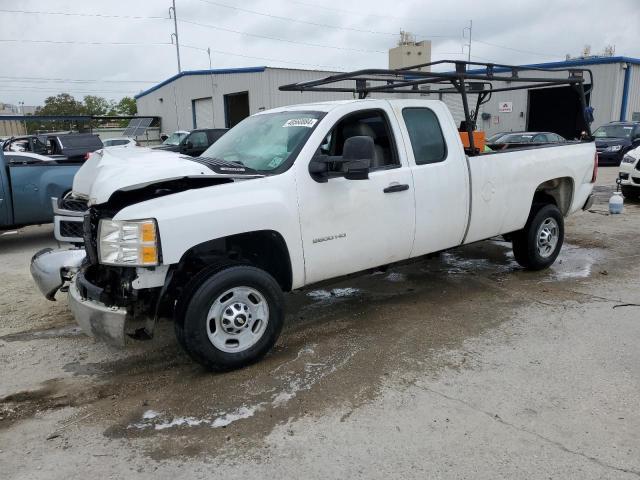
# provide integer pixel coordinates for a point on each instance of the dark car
(523, 139)
(614, 140)
(196, 142)
(69, 146)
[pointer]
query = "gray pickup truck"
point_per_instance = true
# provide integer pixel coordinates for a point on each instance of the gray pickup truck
(28, 182)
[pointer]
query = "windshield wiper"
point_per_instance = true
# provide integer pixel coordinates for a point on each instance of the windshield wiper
(219, 165)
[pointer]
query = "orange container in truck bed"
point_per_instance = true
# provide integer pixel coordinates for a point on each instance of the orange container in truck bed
(479, 140)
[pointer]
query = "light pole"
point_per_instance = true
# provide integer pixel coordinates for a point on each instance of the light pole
(172, 9)
(468, 45)
(24, 120)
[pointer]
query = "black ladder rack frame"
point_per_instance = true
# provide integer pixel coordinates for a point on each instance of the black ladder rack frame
(463, 81)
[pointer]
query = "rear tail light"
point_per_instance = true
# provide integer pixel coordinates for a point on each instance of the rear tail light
(87, 155)
(594, 176)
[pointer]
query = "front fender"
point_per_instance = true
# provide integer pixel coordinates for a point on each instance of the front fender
(192, 217)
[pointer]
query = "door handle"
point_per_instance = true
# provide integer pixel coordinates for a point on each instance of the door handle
(398, 187)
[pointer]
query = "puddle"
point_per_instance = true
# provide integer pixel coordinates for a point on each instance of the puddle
(574, 262)
(334, 293)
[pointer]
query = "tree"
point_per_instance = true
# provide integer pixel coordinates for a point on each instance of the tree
(94, 105)
(126, 106)
(61, 104)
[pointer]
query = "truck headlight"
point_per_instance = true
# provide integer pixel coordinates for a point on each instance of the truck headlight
(614, 148)
(628, 159)
(123, 242)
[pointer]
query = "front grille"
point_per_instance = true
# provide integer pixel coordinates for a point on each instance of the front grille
(638, 166)
(71, 229)
(73, 204)
(90, 235)
(636, 180)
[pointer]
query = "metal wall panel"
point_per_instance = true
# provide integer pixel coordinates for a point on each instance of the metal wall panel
(633, 99)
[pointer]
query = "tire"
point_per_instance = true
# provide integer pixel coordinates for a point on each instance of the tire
(232, 319)
(630, 192)
(538, 244)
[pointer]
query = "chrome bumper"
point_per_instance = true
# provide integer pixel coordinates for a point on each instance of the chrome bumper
(50, 269)
(106, 324)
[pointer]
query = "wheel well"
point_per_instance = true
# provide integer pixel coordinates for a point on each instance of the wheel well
(265, 249)
(558, 192)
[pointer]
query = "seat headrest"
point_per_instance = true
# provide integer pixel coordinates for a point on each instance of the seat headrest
(358, 129)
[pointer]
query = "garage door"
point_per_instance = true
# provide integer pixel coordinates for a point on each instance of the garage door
(203, 113)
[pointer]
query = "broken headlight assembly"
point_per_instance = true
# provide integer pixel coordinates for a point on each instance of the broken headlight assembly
(132, 243)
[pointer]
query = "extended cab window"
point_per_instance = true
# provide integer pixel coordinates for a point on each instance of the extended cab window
(369, 123)
(425, 134)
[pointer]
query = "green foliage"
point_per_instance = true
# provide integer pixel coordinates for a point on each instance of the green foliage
(66, 104)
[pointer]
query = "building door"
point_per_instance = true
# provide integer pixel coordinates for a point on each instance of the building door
(236, 108)
(556, 110)
(202, 112)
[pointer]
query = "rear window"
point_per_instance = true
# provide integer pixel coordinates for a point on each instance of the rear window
(80, 141)
(425, 134)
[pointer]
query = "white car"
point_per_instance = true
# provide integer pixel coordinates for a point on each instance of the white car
(630, 174)
(120, 142)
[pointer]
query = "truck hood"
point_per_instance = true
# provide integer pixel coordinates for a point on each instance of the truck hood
(111, 170)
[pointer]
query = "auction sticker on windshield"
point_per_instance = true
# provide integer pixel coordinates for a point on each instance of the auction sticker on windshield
(301, 122)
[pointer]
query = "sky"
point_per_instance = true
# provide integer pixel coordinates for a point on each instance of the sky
(118, 48)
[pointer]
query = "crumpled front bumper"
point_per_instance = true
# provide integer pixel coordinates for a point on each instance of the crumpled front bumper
(51, 268)
(107, 324)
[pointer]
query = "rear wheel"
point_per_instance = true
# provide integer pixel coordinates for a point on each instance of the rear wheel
(630, 192)
(233, 318)
(538, 244)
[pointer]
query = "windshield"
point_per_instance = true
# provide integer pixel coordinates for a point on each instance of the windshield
(265, 142)
(174, 138)
(613, 131)
(516, 138)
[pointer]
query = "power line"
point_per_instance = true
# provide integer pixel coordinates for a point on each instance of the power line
(306, 22)
(214, 27)
(353, 12)
(79, 42)
(517, 49)
(221, 52)
(72, 14)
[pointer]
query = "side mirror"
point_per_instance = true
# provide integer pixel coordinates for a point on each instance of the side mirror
(163, 137)
(358, 153)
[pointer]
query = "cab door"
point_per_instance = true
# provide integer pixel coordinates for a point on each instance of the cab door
(352, 225)
(4, 193)
(440, 175)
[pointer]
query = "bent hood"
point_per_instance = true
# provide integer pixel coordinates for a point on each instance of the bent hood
(108, 171)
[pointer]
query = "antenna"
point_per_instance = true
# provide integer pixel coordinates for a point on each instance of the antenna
(468, 45)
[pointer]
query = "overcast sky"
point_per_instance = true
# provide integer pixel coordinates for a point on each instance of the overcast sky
(40, 50)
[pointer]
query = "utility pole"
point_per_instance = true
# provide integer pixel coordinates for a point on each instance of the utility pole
(468, 45)
(175, 32)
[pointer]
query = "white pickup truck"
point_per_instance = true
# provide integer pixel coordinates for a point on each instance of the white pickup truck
(290, 197)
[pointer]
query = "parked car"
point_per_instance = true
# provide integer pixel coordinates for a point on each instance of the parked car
(519, 139)
(174, 138)
(27, 183)
(630, 174)
(291, 197)
(195, 142)
(72, 146)
(120, 142)
(615, 139)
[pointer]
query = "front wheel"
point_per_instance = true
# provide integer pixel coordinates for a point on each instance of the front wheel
(538, 244)
(233, 318)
